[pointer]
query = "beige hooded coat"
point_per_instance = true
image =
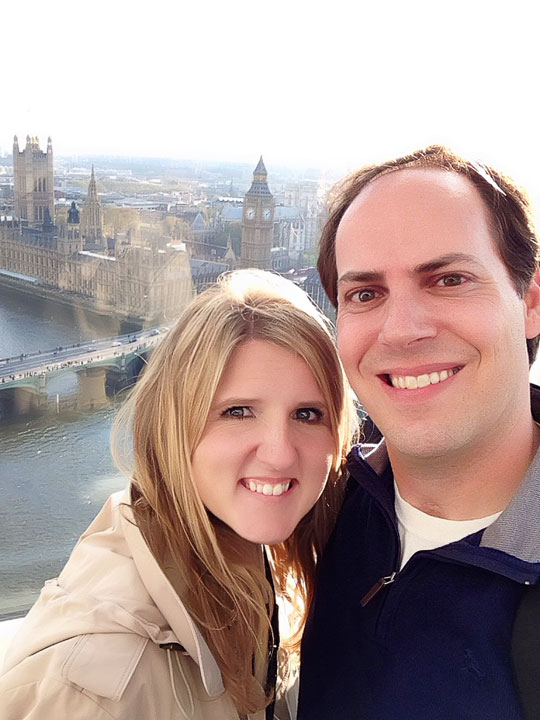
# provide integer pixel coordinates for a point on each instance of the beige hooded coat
(110, 638)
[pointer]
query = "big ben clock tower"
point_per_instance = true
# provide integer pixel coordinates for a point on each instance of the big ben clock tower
(257, 222)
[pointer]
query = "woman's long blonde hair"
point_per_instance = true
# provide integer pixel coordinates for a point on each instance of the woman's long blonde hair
(223, 581)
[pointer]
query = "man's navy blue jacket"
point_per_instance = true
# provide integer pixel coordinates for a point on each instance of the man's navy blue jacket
(433, 643)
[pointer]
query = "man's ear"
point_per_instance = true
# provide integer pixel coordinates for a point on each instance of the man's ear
(532, 307)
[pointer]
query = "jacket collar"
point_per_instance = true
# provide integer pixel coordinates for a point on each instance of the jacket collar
(168, 602)
(515, 533)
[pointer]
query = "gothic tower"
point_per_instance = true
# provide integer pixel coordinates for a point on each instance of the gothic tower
(34, 181)
(257, 222)
(92, 218)
(69, 236)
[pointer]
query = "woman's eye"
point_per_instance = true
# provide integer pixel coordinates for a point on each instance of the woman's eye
(451, 280)
(238, 411)
(308, 414)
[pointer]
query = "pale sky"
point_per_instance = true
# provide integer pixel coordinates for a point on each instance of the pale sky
(302, 82)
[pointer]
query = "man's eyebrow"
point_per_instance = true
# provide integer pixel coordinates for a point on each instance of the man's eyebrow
(371, 276)
(368, 276)
(445, 260)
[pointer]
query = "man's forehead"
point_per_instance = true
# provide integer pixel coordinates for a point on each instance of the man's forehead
(414, 203)
(417, 186)
(411, 217)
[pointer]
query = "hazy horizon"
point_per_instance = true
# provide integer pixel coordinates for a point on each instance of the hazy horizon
(307, 84)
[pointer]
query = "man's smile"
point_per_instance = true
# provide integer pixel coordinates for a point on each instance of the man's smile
(422, 380)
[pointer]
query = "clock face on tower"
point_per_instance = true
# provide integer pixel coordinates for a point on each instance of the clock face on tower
(250, 213)
(267, 213)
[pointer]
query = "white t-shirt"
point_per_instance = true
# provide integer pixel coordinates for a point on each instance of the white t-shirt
(420, 531)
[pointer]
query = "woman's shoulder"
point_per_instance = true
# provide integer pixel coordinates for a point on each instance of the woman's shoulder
(63, 679)
(104, 675)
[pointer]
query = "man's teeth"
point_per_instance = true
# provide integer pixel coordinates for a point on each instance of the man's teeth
(268, 489)
(411, 382)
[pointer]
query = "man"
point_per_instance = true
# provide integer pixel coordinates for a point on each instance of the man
(431, 261)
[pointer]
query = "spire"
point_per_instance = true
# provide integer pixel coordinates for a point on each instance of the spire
(260, 169)
(92, 216)
(259, 186)
(15, 144)
(92, 188)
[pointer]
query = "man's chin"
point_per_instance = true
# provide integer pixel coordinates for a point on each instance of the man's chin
(421, 445)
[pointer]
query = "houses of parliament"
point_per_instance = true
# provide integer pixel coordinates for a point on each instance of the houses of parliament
(72, 257)
(144, 281)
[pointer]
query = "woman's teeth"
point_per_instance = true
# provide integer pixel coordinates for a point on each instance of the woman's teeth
(411, 382)
(267, 488)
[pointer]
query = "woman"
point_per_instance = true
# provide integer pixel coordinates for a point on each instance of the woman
(239, 427)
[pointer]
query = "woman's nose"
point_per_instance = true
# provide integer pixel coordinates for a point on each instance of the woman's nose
(276, 446)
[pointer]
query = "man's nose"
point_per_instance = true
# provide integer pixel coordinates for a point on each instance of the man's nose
(407, 318)
(276, 447)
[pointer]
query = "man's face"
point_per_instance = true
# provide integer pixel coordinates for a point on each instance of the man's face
(431, 330)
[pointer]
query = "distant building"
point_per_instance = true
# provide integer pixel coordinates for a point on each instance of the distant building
(33, 182)
(136, 282)
(124, 279)
(305, 197)
(290, 230)
(206, 272)
(231, 214)
(313, 286)
(279, 259)
(92, 218)
(258, 222)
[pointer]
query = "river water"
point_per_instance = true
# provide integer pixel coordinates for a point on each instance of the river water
(55, 470)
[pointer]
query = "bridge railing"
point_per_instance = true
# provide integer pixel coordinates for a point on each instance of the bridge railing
(139, 335)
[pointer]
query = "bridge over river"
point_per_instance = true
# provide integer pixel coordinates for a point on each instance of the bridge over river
(102, 367)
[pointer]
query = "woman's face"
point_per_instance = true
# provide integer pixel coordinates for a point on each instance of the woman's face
(267, 446)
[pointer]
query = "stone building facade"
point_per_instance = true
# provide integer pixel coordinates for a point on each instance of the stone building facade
(137, 283)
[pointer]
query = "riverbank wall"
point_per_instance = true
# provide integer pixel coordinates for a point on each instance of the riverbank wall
(129, 323)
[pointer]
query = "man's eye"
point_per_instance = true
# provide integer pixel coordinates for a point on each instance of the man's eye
(363, 296)
(451, 280)
(238, 411)
(308, 414)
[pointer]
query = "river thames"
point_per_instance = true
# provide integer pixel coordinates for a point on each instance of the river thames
(55, 470)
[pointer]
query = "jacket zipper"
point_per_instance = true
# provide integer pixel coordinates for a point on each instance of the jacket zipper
(382, 582)
(387, 579)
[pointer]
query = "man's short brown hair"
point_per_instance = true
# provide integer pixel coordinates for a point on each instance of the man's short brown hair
(508, 205)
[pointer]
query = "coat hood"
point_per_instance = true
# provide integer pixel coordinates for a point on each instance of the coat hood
(113, 584)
